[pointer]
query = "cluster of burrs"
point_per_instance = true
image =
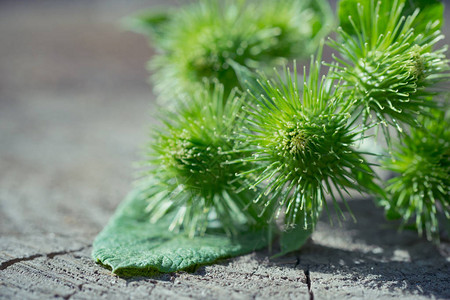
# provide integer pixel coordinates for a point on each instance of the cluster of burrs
(244, 146)
(197, 41)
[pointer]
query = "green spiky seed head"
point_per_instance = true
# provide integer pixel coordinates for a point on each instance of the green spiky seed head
(387, 65)
(190, 175)
(302, 146)
(421, 191)
(198, 162)
(198, 40)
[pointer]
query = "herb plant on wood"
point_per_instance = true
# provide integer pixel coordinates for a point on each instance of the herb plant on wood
(226, 163)
(191, 174)
(420, 194)
(387, 63)
(397, 79)
(302, 140)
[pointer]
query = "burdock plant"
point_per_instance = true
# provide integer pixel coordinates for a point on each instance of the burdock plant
(421, 191)
(196, 41)
(190, 176)
(387, 60)
(234, 162)
(389, 64)
(302, 142)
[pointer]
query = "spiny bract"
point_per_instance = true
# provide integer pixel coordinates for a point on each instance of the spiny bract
(387, 64)
(422, 189)
(190, 176)
(301, 142)
(197, 40)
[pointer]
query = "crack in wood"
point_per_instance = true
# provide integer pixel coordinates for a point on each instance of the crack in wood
(297, 262)
(4, 265)
(13, 261)
(308, 283)
(307, 277)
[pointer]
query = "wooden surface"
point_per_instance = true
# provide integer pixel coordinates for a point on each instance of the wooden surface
(74, 114)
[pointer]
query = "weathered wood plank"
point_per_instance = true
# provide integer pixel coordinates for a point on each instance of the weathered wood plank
(73, 113)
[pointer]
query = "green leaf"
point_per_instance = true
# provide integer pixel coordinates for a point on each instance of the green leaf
(392, 214)
(294, 238)
(132, 246)
(150, 23)
(248, 80)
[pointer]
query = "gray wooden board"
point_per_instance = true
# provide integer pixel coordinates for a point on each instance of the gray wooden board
(74, 112)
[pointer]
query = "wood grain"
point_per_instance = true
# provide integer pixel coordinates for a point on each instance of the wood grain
(74, 114)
